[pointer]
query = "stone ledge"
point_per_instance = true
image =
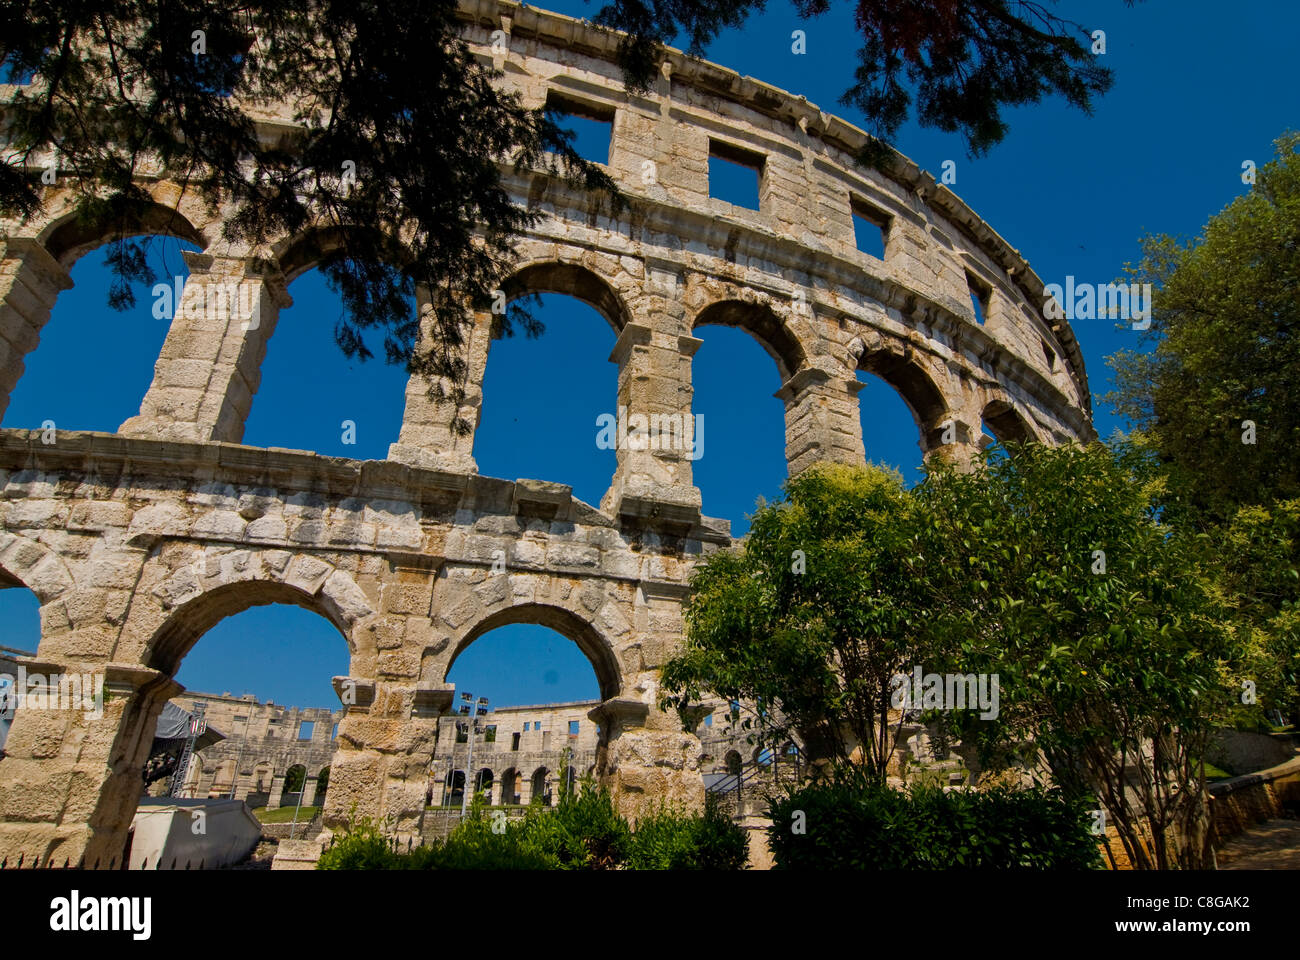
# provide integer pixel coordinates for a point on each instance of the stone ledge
(298, 855)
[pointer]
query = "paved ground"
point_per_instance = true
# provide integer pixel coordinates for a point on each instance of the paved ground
(1271, 845)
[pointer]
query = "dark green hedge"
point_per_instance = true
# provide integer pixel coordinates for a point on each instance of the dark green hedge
(851, 824)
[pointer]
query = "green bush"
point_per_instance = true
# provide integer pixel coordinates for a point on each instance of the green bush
(670, 839)
(362, 847)
(850, 823)
(582, 832)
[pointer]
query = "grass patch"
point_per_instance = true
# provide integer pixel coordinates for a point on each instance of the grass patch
(285, 814)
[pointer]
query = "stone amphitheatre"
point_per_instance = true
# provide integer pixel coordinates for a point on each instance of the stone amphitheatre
(138, 542)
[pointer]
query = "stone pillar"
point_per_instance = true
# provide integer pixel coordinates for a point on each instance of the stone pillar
(954, 437)
(646, 758)
(655, 430)
(277, 792)
(309, 792)
(428, 437)
(384, 744)
(821, 419)
(30, 282)
(210, 364)
(71, 779)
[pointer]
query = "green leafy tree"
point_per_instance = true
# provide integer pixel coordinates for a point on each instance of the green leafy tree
(1253, 563)
(1216, 389)
(1052, 570)
(812, 616)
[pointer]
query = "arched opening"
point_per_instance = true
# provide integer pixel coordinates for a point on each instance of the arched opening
(763, 756)
(543, 395)
(322, 784)
(744, 456)
(1001, 423)
(253, 662)
(541, 787)
(294, 779)
(510, 786)
(456, 789)
(919, 394)
(889, 431)
(732, 761)
(109, 353)
(311, 396)
(20, 616)
(542, 670)
(532, 654)
(483, 784)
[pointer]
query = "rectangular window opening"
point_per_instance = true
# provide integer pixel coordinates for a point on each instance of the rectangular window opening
(735, 174)
(306, 729)
(1049, 355)
(981, 295)
(592, 125)
(490, 734)
(573, 728)
(870, 228)
(514, 741)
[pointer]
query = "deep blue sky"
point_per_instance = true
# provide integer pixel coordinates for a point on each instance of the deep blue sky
(1199, 88)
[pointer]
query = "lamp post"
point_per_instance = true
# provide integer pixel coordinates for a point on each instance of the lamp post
(472, 728)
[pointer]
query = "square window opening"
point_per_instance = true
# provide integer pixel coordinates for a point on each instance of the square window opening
(735, 174)
(592, 126)
(573, 728)
(870, 228)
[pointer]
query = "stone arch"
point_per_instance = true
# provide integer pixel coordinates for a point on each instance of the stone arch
(732, 761)
(510, 786)
(306, 582)
(762, 323)
(309, 247)
(598, 650)
(1007, 423)
(538, 785)
(69, 237)
(26, 563)
(900, 367)
(573, 280)
(289, 771)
